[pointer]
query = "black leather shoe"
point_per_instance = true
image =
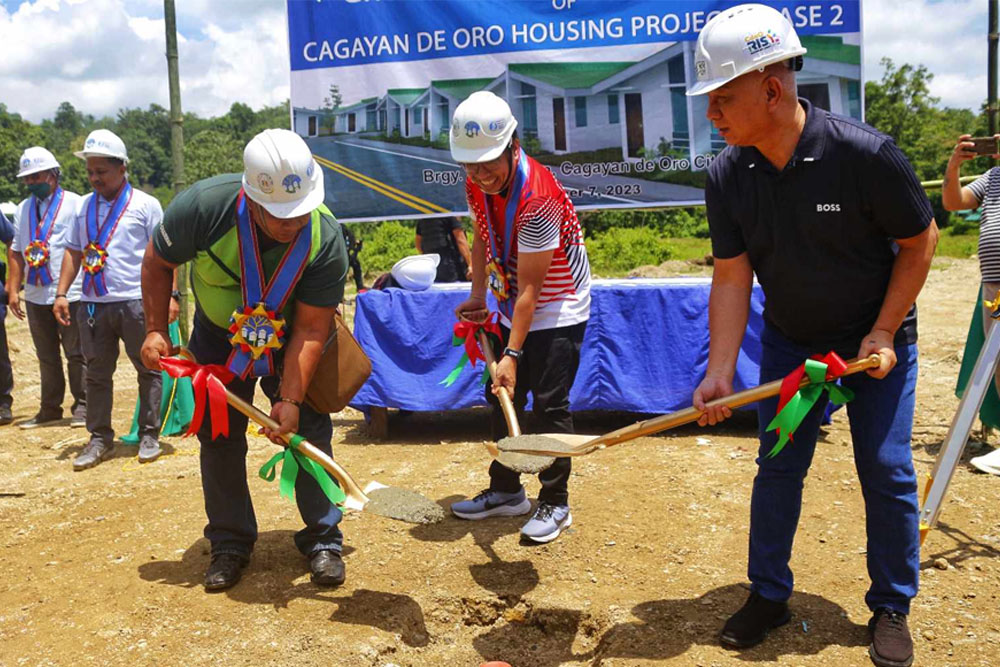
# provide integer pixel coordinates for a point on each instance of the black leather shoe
(750, 625)
(224, 572)
(6, 416)
(891, 644)
(327, 568)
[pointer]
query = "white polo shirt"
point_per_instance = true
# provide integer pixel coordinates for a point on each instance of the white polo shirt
(44, 295)
(123, 270)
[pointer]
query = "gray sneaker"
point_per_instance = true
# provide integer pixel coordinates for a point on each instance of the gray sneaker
(95, 452)
(78, 419)
(492, 503)
(547, 523)
(149, 449)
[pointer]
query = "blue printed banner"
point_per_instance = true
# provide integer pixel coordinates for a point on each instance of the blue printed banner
(597, 88)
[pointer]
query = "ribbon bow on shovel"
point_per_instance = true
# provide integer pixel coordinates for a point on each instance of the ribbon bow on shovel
(466, 332)
(291, 460)
(794, 403)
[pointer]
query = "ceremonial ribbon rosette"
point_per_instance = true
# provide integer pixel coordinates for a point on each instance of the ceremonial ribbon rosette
(794, 403)
(466, 333)
(255, 330)
(40, 227)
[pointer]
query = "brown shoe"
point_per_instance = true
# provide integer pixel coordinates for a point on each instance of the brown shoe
(891, 644)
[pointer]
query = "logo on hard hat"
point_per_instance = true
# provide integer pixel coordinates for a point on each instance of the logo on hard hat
(265, 184)
(472, 129)
(25, 163)
(310, 169)
(497, 125)
(700, 69)
(292, 183)
(90, 142)
(759, 42)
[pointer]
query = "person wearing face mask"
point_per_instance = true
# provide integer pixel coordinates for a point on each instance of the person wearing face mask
(528, 249)
(268, 266)
(44, 220)
(113, 225)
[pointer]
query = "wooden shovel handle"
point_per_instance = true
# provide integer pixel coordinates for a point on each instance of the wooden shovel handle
(691, 414)
(509, 414)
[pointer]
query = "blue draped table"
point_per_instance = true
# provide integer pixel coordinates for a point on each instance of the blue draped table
(645, 350)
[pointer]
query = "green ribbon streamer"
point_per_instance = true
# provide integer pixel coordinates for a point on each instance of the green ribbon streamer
(801, 403)
(457, 370)
(291, 460)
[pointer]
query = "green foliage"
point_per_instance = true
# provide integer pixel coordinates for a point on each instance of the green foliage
(385, 243)
(211, 152)
(663, 222)
(619, 249)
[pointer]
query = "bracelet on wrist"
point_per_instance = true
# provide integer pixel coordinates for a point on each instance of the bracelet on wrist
(62, 296)
(162, 331)
(285, 399)
(175, 295)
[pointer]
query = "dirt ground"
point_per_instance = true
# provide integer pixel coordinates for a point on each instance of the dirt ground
(105, 566)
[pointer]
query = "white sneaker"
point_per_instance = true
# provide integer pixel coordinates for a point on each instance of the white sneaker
(989, 463)
(547, 523)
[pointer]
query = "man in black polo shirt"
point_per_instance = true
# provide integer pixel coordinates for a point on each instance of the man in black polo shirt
(830, 216)
(446, 237)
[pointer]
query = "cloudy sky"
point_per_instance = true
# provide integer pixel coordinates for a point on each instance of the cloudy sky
(102, 55)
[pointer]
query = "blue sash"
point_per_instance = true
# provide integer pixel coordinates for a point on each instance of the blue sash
(510, 213)
(95, 254)
(39, 232)
(256, 329)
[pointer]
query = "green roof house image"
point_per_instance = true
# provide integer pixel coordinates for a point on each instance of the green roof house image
(391, 110)
(430, 112)
(356, 118)
(307, 122)
(640, 107)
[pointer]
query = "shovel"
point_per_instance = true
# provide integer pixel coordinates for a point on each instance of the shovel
(506, 404)
(580, 445)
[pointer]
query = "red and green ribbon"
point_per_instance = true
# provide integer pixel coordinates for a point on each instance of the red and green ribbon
(795, 403)
(209, 385)
(466, 334)
(291, 460)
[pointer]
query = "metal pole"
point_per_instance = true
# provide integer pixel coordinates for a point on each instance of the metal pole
(176, 144)
(991, 67)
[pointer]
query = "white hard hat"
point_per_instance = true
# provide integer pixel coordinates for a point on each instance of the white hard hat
(103, 143)
(481, 128)
(36, 159)
(280, 174)
(738, 40)
(8, 208)
(416, 272)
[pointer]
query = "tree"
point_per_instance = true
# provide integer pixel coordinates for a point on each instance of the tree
(211, 152)
(331, 104)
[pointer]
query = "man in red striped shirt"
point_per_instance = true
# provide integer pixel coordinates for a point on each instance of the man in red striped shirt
(529, 251)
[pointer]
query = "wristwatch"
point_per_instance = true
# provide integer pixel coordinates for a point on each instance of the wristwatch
(175, 295)
(513, 354)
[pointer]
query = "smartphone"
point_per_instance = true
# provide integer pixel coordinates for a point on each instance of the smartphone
(985, 145)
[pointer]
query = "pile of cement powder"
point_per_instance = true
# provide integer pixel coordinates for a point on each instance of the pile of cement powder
(528, 463)
(404, 505)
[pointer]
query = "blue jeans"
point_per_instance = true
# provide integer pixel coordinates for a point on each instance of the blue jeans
(232, 526)
(881, 419)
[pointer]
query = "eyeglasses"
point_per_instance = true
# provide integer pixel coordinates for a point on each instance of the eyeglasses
(494, 165)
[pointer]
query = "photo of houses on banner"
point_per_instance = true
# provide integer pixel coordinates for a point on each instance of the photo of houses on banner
(617, 134)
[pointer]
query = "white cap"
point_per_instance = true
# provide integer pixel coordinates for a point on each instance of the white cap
(36, 159)
(741, 39)
(416, 272)
(103, 143)
(280, 174)
(481, 128)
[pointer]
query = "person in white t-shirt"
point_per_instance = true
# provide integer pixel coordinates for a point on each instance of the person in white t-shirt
(114, 225)
(44, 219)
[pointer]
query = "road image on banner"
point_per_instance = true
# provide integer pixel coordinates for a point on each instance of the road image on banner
(597, 88)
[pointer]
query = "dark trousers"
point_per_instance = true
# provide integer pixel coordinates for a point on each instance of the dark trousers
(547, 370)
(232, 525)
(355, 264)
(101, 326)
(6, 372)
(48, 336)
(881, 419)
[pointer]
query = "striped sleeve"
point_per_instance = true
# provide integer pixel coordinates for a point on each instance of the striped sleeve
(538, 225)
(979, 186)
(900, 205)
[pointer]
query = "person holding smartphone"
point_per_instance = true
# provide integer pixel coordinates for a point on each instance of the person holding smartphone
(984, 192)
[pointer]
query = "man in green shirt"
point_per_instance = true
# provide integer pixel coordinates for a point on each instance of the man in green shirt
(268, 266)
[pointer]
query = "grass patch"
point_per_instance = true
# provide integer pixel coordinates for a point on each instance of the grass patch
(962, 246)
(690, 248)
